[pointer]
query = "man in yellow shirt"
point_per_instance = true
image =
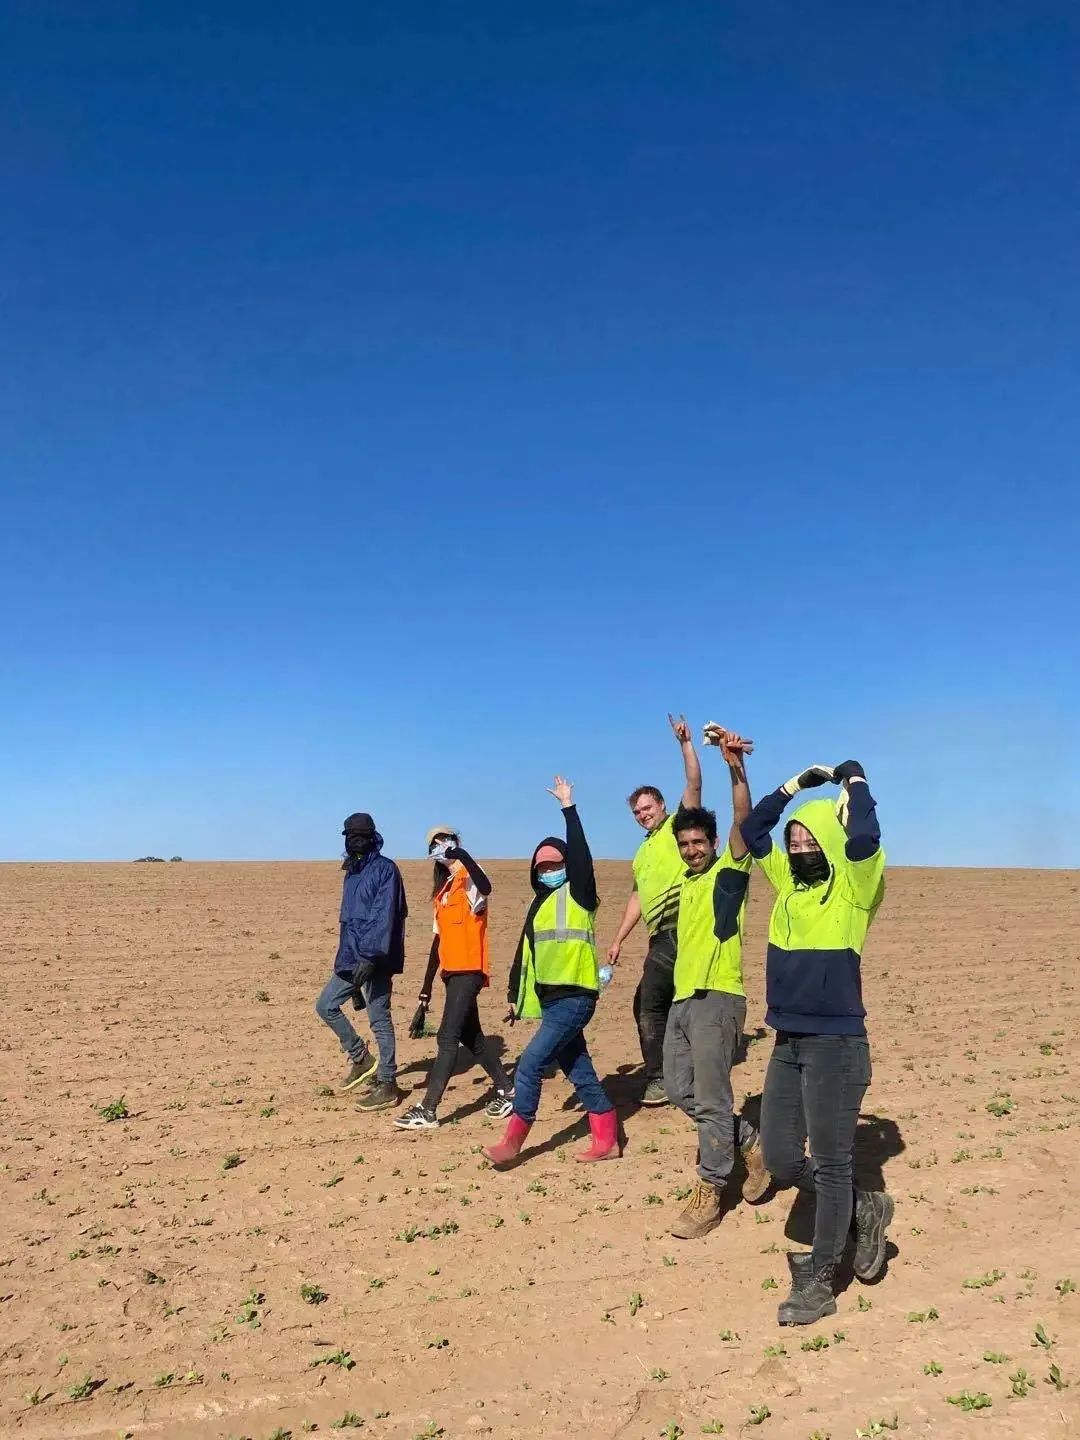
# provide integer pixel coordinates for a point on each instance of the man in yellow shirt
(658, 878)
(705, 1026)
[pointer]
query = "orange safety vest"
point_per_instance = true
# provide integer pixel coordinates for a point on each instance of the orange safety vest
(463, 943)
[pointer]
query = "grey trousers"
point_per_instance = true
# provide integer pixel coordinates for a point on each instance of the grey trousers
(702, 1036)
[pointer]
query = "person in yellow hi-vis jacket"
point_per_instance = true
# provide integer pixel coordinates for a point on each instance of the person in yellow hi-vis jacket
(829, 878)
(555, 978)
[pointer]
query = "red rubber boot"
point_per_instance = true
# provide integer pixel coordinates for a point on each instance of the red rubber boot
(510, 1145)
(605, 1138)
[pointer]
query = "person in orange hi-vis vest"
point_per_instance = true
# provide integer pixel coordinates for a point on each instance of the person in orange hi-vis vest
(459, 949)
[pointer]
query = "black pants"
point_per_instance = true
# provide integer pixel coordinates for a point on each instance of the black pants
(461, 1026)
(813, 1088)
(652, 1001)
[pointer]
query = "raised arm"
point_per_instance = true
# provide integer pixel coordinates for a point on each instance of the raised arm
(476, 875)
(734, 748)
(579, 862)
(691, 795)
(767, 812)
(860, 812)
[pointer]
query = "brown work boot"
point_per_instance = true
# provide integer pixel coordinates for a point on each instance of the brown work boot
(702, 1213)
(758, 1179)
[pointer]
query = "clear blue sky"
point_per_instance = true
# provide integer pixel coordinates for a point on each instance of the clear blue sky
(403, 401)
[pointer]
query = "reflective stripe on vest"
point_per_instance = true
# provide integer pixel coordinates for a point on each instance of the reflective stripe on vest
(561, 931)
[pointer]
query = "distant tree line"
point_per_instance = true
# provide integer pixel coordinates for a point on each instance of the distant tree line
(156, 860)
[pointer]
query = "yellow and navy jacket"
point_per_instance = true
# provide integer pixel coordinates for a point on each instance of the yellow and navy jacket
(709, 950)
(813, 975)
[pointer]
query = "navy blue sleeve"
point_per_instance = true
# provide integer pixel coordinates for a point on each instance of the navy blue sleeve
(755, 829)
(729, 892)
(863, 830)
(476, 875)
(579, 863)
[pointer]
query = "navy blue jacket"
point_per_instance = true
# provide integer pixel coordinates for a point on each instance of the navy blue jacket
(373, 912)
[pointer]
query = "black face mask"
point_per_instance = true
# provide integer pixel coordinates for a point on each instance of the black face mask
(809, 867)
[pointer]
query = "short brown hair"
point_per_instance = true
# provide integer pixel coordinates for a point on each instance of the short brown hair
(635, 795)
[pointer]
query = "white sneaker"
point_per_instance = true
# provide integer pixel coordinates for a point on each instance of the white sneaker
(418, 1118)
(501, 1106)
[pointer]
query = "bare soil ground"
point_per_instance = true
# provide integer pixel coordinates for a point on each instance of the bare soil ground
(153, 1264)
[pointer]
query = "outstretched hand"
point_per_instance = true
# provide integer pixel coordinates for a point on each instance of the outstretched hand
(563, 790)
(732, 746)
(679, 728)
(809, 779)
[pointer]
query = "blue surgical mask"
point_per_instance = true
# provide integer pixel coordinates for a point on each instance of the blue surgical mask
(553, 878)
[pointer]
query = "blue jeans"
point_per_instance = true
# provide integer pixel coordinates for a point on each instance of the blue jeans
(377, 994)
(813, 1090)
(560, 1039)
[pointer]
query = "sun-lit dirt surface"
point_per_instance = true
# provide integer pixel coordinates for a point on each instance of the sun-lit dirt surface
(157, 1260)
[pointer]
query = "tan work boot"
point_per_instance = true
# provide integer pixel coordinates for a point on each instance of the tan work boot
(702, 1213)
(758, 1179)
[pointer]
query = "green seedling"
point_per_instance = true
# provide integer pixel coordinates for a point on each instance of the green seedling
(995, 1357)
(635, 1302)
(920, 1317)
(341, 1358)
(982, 1282)
(817, 1343)
(312, 1295)
(878, 1427)
(1041, 1337)
(262, 995)
(931, 1368)
(115, 1110)
(1065, 1287)
(267, 1111)
(85, 1388)
(231, 1162)
(35, 1397)
(1056, 1379)
(775, 1351)
(769, 1283)
(714, 1427)
(729, 1335)
(349, 1421)
(758, 1414)
(1001, 1105)
(865, 1304)
(164, 1379)
(659, 1375)
(966, 1401)
(672, 1431)
(1022, 1384)
(249, 1310)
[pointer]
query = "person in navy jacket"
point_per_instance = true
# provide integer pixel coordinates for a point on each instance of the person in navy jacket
(371, 951)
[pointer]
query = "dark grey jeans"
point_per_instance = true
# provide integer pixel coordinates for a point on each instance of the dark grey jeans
(652, 1001)
(813, 1088)
(703, 1034)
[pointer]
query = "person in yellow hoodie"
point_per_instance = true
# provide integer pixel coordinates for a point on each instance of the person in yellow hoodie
(829, 879)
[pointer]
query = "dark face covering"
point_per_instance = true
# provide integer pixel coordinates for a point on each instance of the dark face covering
(809, 867)
(359, 835)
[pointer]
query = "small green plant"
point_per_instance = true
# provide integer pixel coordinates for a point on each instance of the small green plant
(672, 1431)
(85, 1388)
(659, 1375)
(1001, 1105)
(248, 1313)
(878, 1427)
(341, 1358)
(115, 1110)
(1041, 1337)
(729, 1335)
(1022, 1384)
(262, 996)
(983, 1282)
(231, 1162)
(35, 1397)
(714, 1427)
(1065, 1287)
(166, 1378)
(931, 1368)
(758, 1414)
(635, 1302)
(920, 1317)
(817, 1343)
(775, 1351)
(267, 1111)
(349, 1421)
(865, 1304)
(430, 1431)
(995, 1357)
(1056, 1379)
(312, 1295)
(966, 1401)
(768, 1283)
(653, 1200)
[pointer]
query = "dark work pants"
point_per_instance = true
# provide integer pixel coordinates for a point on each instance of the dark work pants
(461, 1026)
(813, 1089)
(652, 1001)
(703, 1035)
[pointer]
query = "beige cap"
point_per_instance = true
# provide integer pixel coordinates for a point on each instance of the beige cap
(439, 830)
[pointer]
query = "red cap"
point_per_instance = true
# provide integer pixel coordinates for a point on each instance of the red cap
(546, 853)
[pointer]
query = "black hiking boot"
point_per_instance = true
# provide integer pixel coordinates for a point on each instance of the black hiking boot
(811, 1295)
(873, 1215)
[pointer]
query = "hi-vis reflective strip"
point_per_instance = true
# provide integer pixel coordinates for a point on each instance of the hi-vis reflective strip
(561, 932)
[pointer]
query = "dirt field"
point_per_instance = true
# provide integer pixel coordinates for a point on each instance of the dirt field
(156, 1261)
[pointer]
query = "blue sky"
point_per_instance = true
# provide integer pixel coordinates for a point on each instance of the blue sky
(401, 402)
